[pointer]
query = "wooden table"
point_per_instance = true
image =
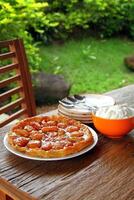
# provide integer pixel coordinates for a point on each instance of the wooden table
(104, 173)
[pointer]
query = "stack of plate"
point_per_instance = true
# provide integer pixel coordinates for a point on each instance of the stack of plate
(82, 111)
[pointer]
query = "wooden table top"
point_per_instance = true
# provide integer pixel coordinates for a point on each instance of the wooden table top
(104, 173)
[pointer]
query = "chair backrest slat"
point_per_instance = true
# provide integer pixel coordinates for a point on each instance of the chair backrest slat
(7, 55)
(8, 67)
(17, 83)
(14, 116)
(11, 92)
(10, 80)
(12, 105)
(6, 43)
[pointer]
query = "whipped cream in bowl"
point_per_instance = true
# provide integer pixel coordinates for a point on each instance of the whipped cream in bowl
(114, 121)
(119, 111)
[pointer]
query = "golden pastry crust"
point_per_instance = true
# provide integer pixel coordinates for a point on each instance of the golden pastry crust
(49, 137)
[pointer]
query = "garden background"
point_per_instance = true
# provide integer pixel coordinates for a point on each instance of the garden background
(85, 41)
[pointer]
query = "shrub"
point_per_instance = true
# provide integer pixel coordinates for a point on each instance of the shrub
(107, 17)
(56, 19)
(16, 17)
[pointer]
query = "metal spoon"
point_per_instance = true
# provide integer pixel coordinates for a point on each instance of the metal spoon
(68, 104)
(72, 99)
(79, 97)
(76, 98)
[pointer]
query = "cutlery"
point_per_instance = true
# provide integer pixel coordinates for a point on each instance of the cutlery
(76, 98)
(66, 104)
(72, 99)
(75, 104)
(79, 97)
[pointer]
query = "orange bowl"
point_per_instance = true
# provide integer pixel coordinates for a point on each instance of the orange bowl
(113, 128)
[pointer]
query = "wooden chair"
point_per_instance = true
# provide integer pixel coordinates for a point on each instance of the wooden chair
(17, 84)
(15, 80)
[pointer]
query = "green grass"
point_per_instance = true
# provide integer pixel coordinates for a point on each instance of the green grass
(91, 65)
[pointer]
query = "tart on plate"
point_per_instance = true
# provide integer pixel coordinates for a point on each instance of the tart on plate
(49, 136)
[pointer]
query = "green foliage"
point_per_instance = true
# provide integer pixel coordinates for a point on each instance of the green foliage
(16, 17)
(58, 19)
(106, 16)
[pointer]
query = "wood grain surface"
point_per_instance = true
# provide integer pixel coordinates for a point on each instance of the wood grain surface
(104, 173)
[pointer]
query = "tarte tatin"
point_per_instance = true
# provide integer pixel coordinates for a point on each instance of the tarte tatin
(49, 136)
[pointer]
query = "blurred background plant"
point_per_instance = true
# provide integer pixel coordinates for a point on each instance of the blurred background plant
(43, 22)
(16, 19)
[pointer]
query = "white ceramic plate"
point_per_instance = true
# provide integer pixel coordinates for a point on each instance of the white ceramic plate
(81, 120)
(89, 117)
(84, 121)
(71, 114)
(12, 150)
